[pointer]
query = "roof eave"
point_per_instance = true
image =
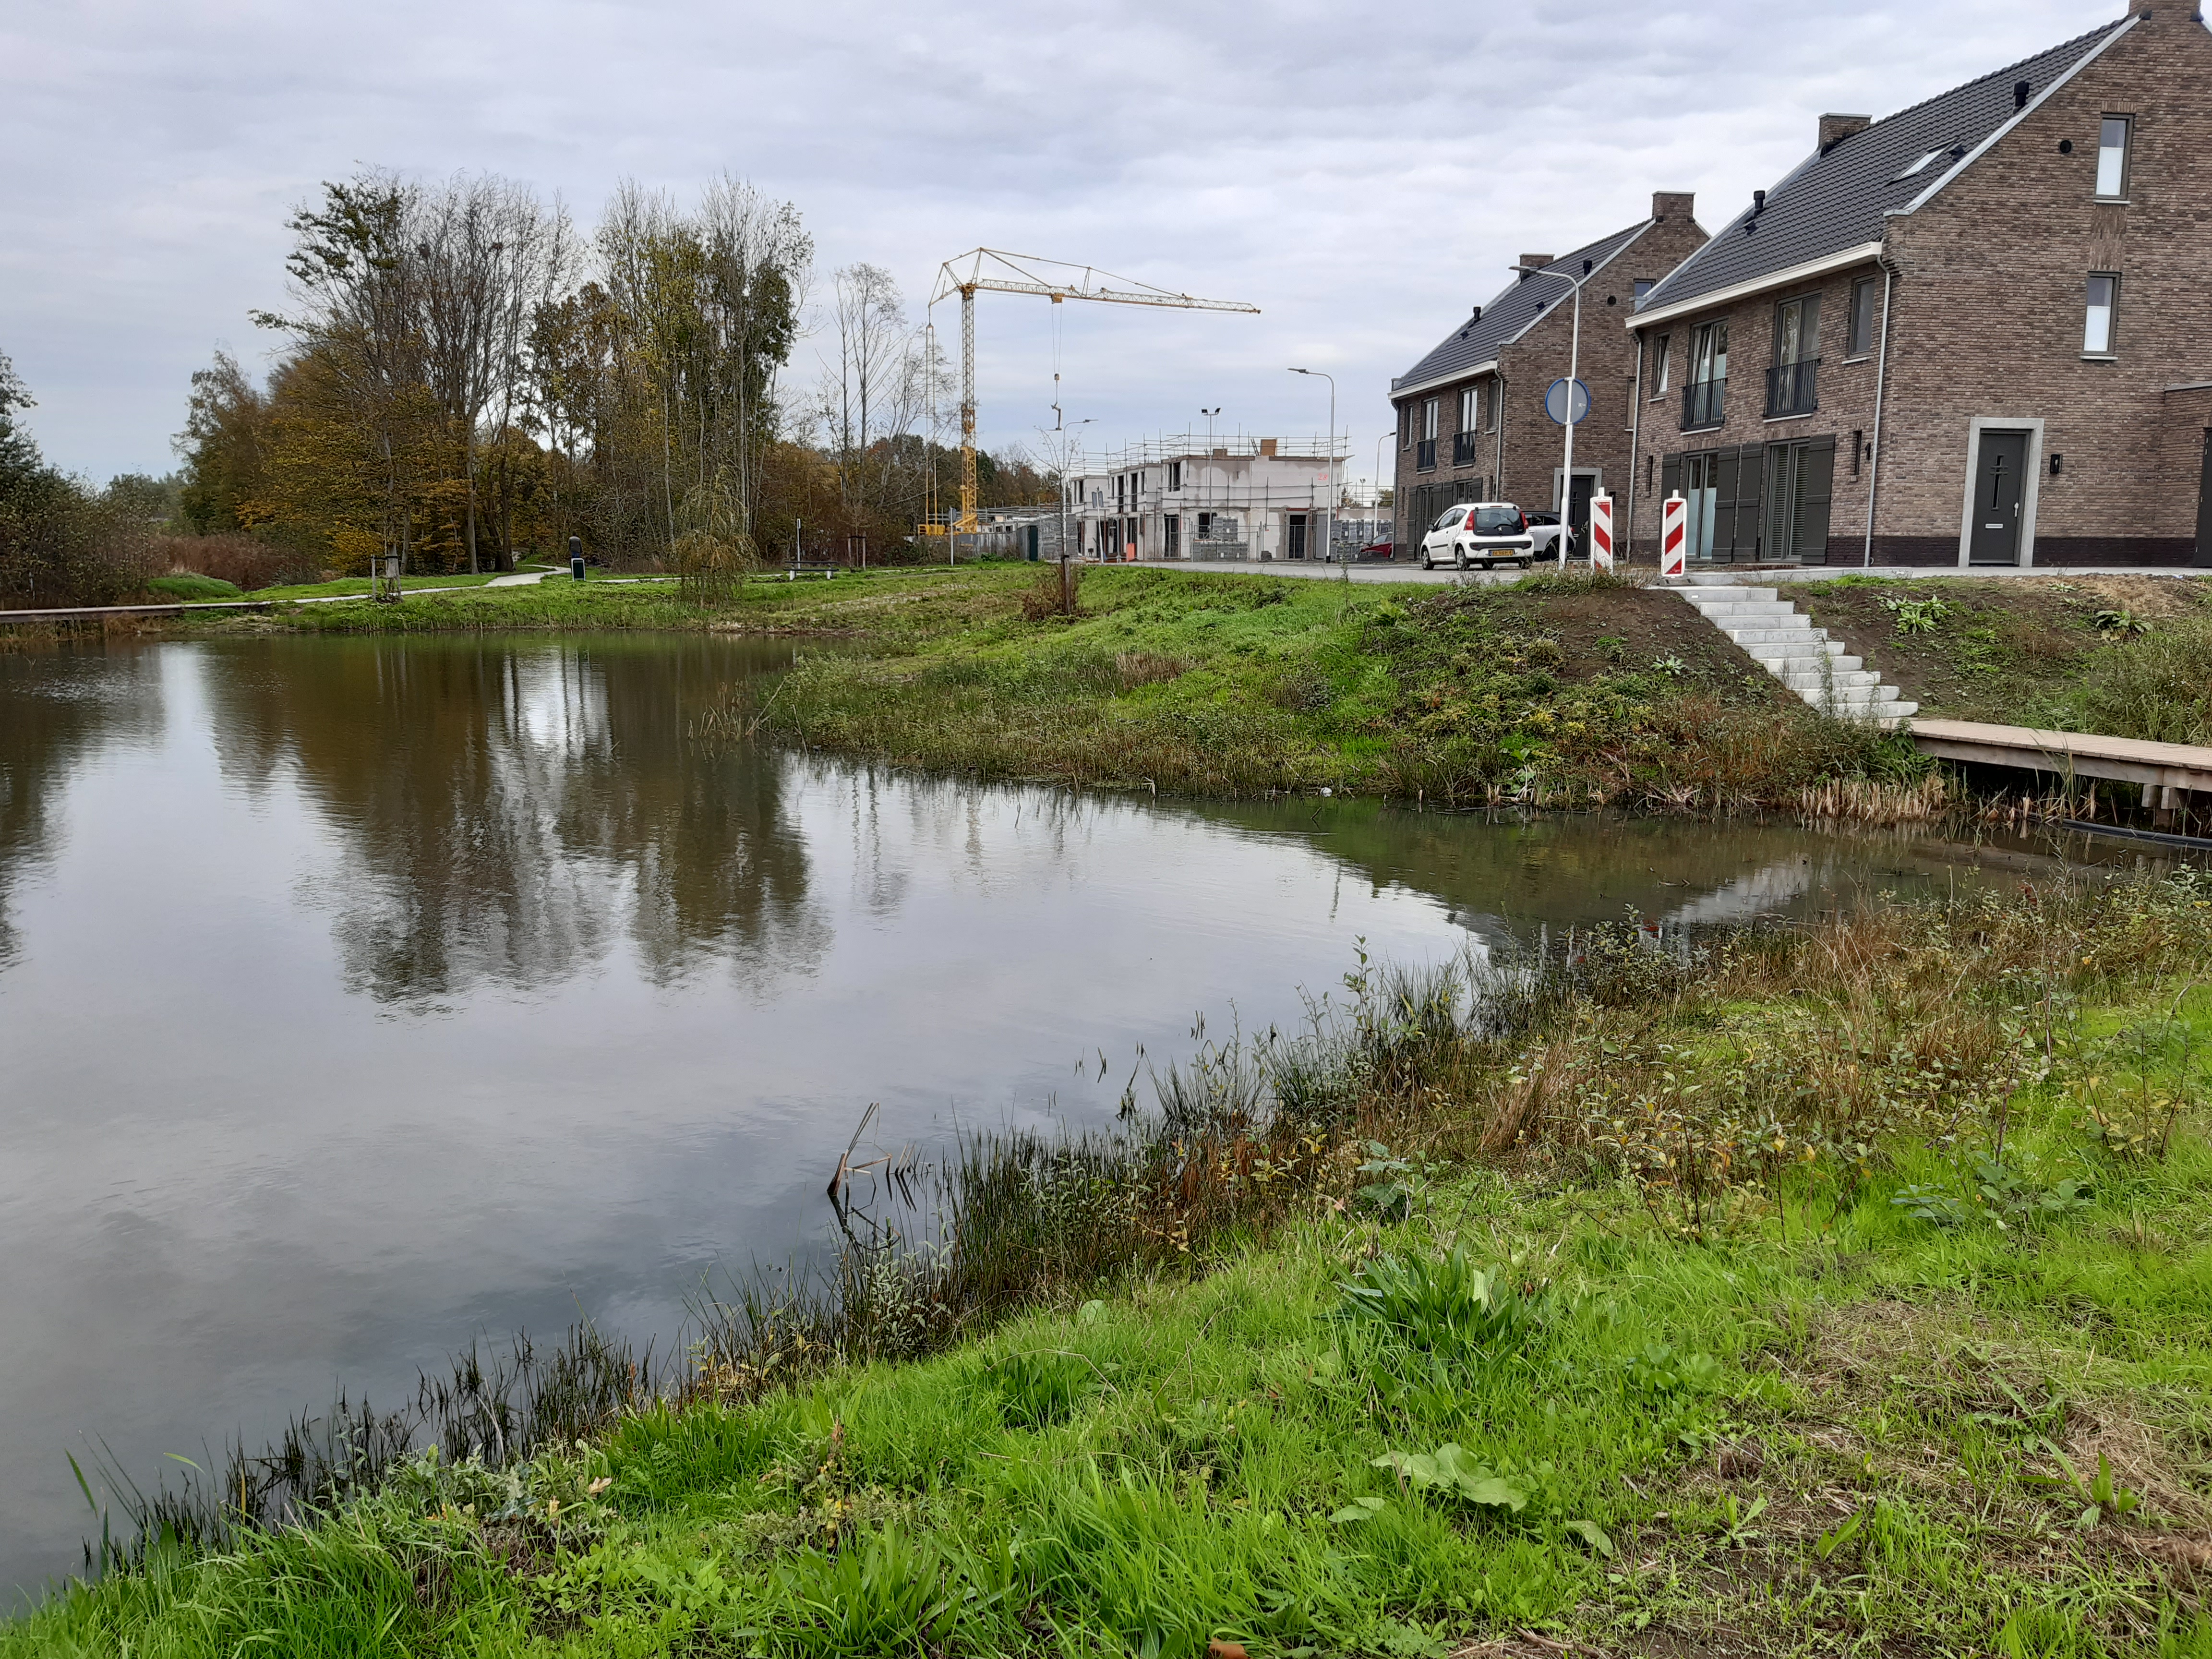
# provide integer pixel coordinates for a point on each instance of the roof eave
(1857, 255)
(1435, 380)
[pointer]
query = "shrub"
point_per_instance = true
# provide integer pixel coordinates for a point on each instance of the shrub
(2158, 687)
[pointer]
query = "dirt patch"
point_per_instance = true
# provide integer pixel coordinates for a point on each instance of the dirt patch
(1608, 630)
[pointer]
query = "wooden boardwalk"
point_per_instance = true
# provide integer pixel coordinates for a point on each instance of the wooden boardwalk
(2075, 754)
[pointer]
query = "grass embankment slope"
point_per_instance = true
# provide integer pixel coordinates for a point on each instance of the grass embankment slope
(1845, 1291)
(1549, 691)
(2129, 656)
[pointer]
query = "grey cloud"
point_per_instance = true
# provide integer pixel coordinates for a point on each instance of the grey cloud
(1362, 175)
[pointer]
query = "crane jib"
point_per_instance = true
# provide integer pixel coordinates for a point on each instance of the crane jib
(966, 283)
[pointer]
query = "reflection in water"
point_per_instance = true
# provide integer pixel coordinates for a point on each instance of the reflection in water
(55, 709)
(359, 995)
(505, 815)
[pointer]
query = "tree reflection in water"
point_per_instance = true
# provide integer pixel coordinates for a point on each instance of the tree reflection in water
(57, 706)
(514, 810)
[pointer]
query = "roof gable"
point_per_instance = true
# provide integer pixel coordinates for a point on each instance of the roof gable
(1524, 301)
(1837, 200)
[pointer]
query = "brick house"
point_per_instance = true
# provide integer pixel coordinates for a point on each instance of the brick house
(1470, 422)
(1976, 332)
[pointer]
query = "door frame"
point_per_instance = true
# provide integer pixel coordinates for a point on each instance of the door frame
(2032, 466)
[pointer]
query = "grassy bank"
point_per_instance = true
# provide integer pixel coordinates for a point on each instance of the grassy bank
(1833, 1290)
(2126, 655)
(1548, 692)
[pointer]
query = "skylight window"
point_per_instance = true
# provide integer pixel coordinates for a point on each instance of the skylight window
(1918, 165)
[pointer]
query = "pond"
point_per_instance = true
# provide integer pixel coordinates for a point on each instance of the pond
(360, 996)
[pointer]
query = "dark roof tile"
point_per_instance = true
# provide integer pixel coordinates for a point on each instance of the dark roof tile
(1508, 316)
(1836, 201)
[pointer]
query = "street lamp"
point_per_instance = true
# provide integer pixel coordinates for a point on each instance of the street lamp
(1328, 518)
(1209, 413)
(1574, 379)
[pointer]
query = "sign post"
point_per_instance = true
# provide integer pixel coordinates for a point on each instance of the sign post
(1600, 532)
(1675, 538)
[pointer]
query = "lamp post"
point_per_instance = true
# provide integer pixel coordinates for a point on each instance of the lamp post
(1209, 413)
(1328, 516)
(1574, 379)
(1378, 490)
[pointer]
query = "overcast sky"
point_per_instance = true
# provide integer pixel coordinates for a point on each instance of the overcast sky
(1362, 175)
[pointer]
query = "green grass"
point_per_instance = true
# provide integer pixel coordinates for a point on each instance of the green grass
(2124, 655)
(186, 586)
(1695, 1402)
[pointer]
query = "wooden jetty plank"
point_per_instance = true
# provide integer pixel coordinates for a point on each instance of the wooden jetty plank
(2077, 754)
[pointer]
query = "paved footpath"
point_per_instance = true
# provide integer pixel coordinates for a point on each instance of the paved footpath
(1701, 575)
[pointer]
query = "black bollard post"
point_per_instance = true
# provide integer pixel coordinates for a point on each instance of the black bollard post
(576, 557)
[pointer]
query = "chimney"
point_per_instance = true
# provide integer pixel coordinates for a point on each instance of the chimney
(1534, 262)
(1673, 204)
(1834, 129)
(1267, 445)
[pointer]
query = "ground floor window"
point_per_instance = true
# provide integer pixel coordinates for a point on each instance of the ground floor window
(1171, 537)
(1755, 503)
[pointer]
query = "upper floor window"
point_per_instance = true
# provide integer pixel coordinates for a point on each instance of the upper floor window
(2098, 332)
(1709, 352)
(1644, 285)
(1428, 420)
(1919, 164)
(1662, 355)
(2112, 136)
(1859, 339)
(1797, 328)
(1470, 410)
(1175, 475)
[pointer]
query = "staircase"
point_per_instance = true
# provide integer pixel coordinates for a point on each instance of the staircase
(1802, 657)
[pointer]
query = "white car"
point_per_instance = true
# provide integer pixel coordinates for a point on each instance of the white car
(1478, 533)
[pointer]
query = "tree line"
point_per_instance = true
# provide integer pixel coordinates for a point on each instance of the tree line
(467, 377)
(462, 376)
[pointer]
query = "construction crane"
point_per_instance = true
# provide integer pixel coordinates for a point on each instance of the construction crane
(999, 272)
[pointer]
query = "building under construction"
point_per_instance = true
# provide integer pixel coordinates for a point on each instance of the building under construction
(1192, 497)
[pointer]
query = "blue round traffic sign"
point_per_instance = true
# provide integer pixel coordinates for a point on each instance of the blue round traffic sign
(1556, 405)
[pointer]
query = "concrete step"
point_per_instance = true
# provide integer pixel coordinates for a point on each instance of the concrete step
(1847, 697)
(1782, 622)
(1749, 638)
(1728, 593)
(1791, 650)
(1717, 609)
(1812, 679)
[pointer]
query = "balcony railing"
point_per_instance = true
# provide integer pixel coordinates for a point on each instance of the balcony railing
(1464, 444)
(1701, 403)
(1792, 388)
(1424, 455)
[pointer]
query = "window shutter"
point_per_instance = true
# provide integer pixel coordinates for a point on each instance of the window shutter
(1725, 485)
(1750, 499)
(1815, 488)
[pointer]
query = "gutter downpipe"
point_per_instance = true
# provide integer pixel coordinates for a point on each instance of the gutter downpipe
(1497, 443)
(1880, 376)
(1635, 447)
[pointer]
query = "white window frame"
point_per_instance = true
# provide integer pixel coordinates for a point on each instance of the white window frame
(2125, 151)
(2109, 350)
(1663, 352)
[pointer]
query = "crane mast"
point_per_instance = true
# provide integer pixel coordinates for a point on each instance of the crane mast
(1018, 273)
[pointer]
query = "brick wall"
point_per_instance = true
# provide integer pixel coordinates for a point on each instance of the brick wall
(1518, 463)
(1986, 322)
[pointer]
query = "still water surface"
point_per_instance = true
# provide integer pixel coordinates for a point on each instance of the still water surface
(358, 996)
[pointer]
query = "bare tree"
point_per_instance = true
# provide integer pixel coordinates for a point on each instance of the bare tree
(489, 253)
(356, 291)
